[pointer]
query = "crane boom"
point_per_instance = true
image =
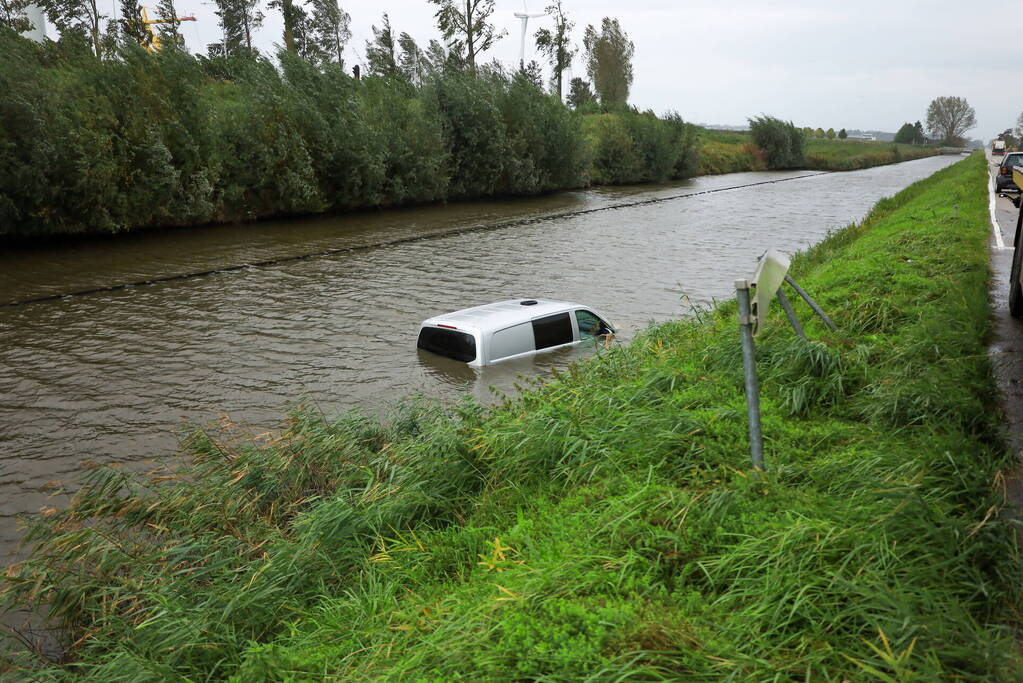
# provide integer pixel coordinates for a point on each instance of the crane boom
(152, 43)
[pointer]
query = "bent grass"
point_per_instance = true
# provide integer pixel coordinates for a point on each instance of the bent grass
(603, 524)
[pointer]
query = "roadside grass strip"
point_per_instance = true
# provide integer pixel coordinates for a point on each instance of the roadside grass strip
(603, 525)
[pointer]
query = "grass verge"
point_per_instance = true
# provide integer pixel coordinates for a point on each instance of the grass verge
(603, 525)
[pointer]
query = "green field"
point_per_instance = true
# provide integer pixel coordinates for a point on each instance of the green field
(729, 151)
(605, 525)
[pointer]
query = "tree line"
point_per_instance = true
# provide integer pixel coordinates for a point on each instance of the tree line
(127, 138)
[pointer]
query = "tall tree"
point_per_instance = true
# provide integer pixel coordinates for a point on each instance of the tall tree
(239, 20)
(412, 61)
(533, 73)
(292, 15)
(380, 51)
(579, 93)
(1011, 141)
(842, 135)
(301, 35)
(949, 117)
(609, 61)
(439, 58)
(906, 134)
(77, 16)
(1019, 126)
(920, 138)
(170, 32)
(555, 44)
(464, 25)
(13, 15)
(330, 30)
(132, 28)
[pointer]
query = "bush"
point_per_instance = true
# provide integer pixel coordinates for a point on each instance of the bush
(781, 141)
(139, 140)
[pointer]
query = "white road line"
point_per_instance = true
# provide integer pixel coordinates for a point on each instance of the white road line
(999, 243)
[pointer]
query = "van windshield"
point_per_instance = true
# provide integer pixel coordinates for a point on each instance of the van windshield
(448, 343)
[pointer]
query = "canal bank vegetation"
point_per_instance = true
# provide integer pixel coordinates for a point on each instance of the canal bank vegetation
(732, 151)
(605, 523)
(92, 145)
(135, 140)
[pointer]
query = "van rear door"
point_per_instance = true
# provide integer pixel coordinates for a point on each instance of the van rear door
(448, 342)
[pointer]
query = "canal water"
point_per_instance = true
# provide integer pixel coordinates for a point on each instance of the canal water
(111, 377)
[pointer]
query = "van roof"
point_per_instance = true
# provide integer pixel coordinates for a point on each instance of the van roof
(500, 314)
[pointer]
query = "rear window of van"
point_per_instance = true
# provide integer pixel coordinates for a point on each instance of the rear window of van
(450, 343)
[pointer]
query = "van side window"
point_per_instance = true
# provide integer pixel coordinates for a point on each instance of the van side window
(589, 325)
(511, 341)
(552, 330)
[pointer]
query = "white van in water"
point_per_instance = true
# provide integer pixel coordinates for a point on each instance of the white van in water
(497, 332)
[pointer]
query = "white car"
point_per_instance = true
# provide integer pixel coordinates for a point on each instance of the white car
(485, 335)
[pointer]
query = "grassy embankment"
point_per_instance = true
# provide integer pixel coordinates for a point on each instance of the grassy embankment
(604, 524)
(730, 151)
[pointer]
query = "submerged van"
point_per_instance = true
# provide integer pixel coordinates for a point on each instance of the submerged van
(484, 335)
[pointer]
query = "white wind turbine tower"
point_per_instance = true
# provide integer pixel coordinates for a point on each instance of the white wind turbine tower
(525, 16)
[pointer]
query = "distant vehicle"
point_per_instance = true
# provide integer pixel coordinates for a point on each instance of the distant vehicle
(1003, 179)
(998, 147)
(489, 334)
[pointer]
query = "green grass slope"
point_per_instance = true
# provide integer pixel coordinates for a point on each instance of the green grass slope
(605, 524)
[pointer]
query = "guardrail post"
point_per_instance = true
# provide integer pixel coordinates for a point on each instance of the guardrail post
(756, 438)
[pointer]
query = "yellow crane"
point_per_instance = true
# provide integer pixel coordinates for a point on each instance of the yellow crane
(152, 43)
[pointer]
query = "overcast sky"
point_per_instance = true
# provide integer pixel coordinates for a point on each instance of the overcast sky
(869, 64)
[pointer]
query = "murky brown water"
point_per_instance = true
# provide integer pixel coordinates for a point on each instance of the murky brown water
(110, 377)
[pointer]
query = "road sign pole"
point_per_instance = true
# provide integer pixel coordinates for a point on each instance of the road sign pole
(756, 439)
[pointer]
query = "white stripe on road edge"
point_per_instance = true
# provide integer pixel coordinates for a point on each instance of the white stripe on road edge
(999, 243)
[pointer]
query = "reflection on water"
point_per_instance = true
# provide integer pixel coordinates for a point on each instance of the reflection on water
(111, 377)
(447, 372)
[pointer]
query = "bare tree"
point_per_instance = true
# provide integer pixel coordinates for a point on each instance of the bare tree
(464, 25)
(609, 61)
(949, 117)
(555, 44)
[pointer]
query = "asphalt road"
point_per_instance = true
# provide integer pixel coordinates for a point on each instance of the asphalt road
(1006, 348)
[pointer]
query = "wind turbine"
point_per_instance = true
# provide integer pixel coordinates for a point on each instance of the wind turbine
(525, 17)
